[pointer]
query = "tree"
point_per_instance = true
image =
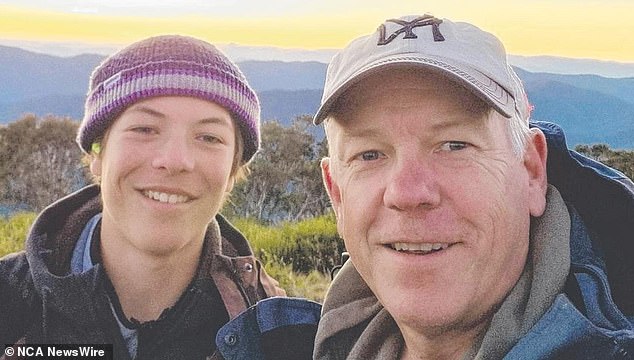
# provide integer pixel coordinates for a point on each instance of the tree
(285, 181)
(39, 161)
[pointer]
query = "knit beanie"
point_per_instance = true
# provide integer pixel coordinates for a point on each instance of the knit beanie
(172, 65)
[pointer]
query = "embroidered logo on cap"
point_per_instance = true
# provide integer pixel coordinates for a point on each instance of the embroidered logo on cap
(407, 27)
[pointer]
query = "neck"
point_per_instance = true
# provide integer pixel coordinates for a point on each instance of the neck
(146, 283)
(445, 345)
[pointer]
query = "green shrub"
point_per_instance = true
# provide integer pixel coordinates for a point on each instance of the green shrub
(13, 232)
(263, 238)
(311, 286)
(307, 245)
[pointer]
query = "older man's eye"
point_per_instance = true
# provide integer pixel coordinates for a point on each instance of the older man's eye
(369, 155)
(453, 146)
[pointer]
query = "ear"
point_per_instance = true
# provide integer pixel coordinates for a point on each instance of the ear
(535, 156)
(95, 164)
(331, 187)
(230, 184)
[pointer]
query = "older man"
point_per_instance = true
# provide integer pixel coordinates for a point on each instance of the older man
(461, 246)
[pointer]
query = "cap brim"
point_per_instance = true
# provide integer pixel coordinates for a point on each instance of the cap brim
(479, 84)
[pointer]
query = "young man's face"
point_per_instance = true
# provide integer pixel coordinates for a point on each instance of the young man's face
(165, 167)
(432, 202)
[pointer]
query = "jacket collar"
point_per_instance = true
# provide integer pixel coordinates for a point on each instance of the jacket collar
(603, 198)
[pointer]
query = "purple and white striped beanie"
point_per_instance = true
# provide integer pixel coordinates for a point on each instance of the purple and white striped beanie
(173, 65)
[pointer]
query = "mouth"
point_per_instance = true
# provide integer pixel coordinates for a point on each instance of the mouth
(166, 198)
(418, 248)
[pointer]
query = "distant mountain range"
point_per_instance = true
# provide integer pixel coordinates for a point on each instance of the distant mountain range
(591, 108)
(240, 53)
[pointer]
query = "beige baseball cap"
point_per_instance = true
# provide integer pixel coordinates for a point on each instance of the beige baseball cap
(462, 52)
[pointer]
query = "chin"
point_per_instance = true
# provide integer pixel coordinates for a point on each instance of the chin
(162, 244)
(425, 318)
(427, 306)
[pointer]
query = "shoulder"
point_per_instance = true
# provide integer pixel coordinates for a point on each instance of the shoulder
(17, 296)
(279, 327)
(564, 332)
(14, 270)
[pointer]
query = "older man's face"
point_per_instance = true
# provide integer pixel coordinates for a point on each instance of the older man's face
(432, 202)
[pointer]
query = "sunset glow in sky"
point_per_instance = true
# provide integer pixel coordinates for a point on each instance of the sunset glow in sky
(570, 28)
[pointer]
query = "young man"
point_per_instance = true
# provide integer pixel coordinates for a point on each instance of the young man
(142, 260)
(461, 245)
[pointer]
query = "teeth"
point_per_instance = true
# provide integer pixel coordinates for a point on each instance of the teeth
(419, 247)
(165, 198)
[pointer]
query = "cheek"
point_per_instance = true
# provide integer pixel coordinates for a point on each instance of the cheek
(492, 198)
(217, 173)
(117, 164)
(360, 207)
(488, 182)
(497, 208)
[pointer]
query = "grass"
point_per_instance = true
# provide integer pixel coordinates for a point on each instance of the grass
(13, 231)
(311, 286)
(307, 245)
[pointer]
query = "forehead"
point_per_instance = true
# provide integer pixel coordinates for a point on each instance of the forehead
(401, 84)
(410, 90)
(181, 108)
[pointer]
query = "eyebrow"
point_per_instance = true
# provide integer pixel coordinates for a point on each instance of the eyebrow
(215, 120)
(378, 131)
(454, 123)
(363, 132)
(147, 110)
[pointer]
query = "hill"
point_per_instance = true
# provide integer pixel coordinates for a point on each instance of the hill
(561, 65)
(26, 75)
(586, 116)
(622, 88)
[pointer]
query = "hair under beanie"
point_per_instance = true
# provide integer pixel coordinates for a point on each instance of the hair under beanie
(172, 65)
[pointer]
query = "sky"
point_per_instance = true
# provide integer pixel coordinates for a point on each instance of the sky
(586, 29)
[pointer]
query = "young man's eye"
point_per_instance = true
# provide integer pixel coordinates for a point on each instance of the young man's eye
(210, 139)
(143, 130)
(453, 146)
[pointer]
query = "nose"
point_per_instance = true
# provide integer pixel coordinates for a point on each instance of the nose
(413, 184)
(174, 155)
